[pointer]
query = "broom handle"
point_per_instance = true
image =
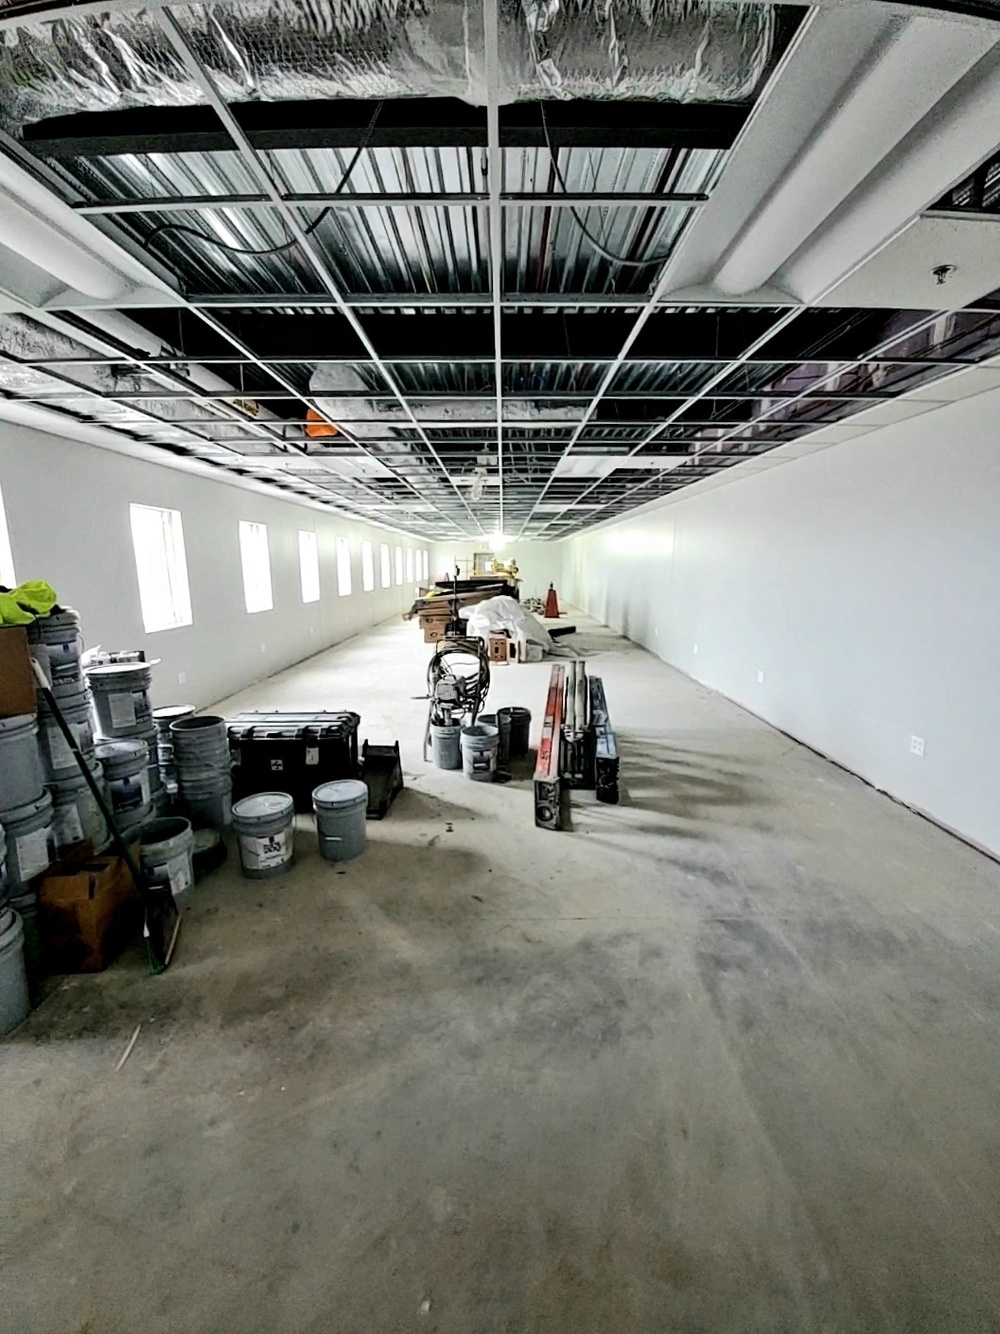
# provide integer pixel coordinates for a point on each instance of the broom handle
(120, 845)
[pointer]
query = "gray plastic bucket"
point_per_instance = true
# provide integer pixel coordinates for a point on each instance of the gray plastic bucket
(125, 764)
(199, 741)
(165, 852)
(4, 886)
(31, 844)
(340, 809)
(265, 830)
(59, 635)
(21, 774)
(121, 698)
(76, 814)
(520, 730)
(74, 703)
(501, 721)
(479, 752)
(163, 718)
(446, 746)
(14, 1002)
(208, 800)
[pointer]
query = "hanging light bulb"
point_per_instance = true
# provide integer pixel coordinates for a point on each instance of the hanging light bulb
(498, 541)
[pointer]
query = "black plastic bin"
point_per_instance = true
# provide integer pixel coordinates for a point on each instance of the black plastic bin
(292, 752)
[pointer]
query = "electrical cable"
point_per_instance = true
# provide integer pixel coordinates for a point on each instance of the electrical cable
(285, 245)
(598, 245)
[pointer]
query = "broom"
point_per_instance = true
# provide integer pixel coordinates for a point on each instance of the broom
(162, 920)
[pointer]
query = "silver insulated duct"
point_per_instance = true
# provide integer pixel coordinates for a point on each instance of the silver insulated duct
(273, 50)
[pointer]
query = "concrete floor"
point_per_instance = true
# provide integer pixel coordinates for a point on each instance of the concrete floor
(721, 1059)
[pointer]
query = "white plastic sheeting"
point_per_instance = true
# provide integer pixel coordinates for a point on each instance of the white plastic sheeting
(496, 616)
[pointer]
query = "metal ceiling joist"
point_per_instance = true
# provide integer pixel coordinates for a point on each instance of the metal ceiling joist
(260, 174)
(403, 123)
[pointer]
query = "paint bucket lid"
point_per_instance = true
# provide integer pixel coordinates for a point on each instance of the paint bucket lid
(31, 810)
(169, 713)
(340, 794)
(264, 806)
(119, 675)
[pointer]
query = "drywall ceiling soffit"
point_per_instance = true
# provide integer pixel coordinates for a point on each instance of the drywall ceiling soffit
(903, 273)
(964, 384)
(826, 56)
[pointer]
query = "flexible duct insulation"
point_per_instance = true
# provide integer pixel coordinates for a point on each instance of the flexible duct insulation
(272, 50)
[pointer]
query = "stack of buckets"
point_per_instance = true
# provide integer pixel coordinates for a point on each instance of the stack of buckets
(163, 719)
(127, 742)
(28, 848)
(57, 644)
(204, 774)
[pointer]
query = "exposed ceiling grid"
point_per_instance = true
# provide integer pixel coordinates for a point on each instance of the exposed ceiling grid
(455, 309)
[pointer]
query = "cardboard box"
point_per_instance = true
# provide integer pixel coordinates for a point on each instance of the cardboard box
(17, 680)
(501, 649)
(89, 911)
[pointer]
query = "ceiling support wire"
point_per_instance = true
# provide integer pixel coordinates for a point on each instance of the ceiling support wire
(494, 157)
(715, 446)
(255, 165)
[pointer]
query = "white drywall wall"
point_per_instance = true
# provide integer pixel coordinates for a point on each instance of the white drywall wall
(539, 563)
(861, 580)
(68, 514)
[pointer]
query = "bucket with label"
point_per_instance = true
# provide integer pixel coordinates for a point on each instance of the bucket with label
(163, 718)
(74, 703)
(165, 850)
(31, 844)
(341, 808)
(446, 747)
(121, 698)
(75, 813)
(14, 1002)
(501, 721)
(125, 764)
(264, 826)
(21, 773)
(479, 752)
(56, 642)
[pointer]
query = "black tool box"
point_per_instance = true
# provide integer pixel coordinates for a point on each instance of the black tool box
(291, 752)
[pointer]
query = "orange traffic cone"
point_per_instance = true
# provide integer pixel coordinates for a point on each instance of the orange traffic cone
(551, 612)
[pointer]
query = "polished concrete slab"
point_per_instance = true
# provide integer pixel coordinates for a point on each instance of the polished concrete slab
(722, 1058)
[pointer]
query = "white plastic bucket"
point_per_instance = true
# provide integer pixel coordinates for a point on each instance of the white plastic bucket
(446, 746)
(21, 775)
(76, 814)
(165, 852)
(265, 829)
(121, 698)
(340, 809)
(31, 845)
(74, 703)
(14, 1002)
(125, 765)
(479, 752)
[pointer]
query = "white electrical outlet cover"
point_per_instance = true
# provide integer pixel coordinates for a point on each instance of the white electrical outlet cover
(760, 678)
(917, 745)
(181, 678)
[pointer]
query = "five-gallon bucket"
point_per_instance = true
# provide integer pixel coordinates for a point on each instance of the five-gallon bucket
(74, 703)
(340, 819)
(479, 752)
(75, 812)
(501, 721)
(264, 828)
(165, 851)
(124, 763)
(121, 698)
(520, 730)
(446, 747)
(31, 845)
(21, 776)
(14, 1003)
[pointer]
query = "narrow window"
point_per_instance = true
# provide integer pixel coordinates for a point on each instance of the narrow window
(343, 567)
(160, 564)
(385, 561)
(409, 565)
(399, 565)
(256, 560)
(367, 567)
(7, 576)
(309, 565)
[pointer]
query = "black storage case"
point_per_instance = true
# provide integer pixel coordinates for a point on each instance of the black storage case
(291, 752)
